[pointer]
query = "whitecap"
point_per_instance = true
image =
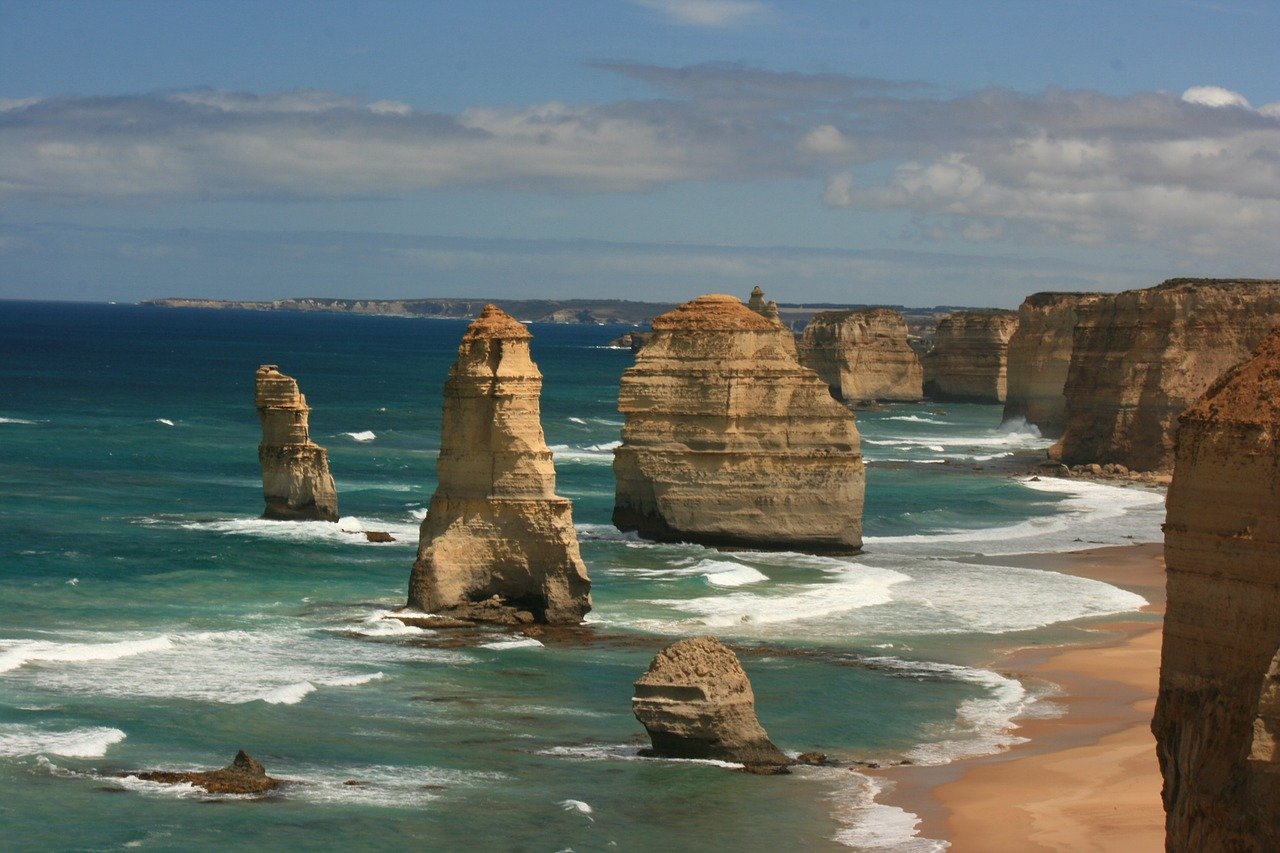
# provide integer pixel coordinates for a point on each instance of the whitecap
(595, 454)
(576, 806)
(288, 694)
(578, 421)
(914, 419)
(514, 643)
(17, 421)
(365, 435)
(88, 742)
(17, 653)
(164, 421)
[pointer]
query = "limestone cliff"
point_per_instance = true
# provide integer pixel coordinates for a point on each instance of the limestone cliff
(729, 441)
(695, 701)
(1140, 357)
(295, 470)
(1039, 355)
(497, 543)
(1217, 717)
(969, 357)
(863, 355)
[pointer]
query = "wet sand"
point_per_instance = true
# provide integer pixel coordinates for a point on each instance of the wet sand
(1087, 780)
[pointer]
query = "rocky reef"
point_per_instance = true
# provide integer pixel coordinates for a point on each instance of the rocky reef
(296, 482)
(863, 355)
(1140, 357)
(968, 361)
(695, 701)
(1039, 356)
(729, 441)
(1217, 717)
(497, 544)
(244, 775)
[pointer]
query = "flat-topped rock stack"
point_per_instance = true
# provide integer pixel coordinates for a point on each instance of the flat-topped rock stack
(695, 701)
(1039, 357)
(863, 355)
(497, 544)
(1217, 720)
(1139, 358)
(969, 358)
(729, 441)
(296, 483)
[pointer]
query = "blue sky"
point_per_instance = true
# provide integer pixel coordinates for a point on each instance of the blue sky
(845, 151)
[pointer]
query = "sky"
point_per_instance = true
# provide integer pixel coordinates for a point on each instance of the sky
(848, 151)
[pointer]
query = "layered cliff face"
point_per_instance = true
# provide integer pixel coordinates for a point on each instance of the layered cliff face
(295, 470)
(1140, 357)
(497, 543)
(1039, 356)
(1217, 717)
(968, 360)
(863, 355)
(730, 441)
(695, 701)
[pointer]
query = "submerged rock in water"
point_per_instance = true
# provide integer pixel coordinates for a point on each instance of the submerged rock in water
(244, 775)
(695, 701)
(296, 482)
(498, 544)
(729, 441)
(1217, 719)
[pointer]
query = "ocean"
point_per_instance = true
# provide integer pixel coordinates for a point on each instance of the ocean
(150, 619)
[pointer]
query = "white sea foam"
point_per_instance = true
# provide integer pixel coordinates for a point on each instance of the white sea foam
(869, 825)
(87, 742)
(576, 806)
(578, 421)
(164, 421)
(595, 454)
(17, 653)
(380, 785)
(349, 530)
(364, 435)
(17, 421)
(916, 419)
(514, 643)
(625, 752)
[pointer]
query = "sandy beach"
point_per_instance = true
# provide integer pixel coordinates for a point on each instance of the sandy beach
(1085, 780)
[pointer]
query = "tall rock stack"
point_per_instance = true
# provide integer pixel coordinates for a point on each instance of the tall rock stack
(730, 441)
(1140, 357)
(863, 355)
(497, 544)
(1039, 356)
(1217, 719)
(969, 358)
(296, 483)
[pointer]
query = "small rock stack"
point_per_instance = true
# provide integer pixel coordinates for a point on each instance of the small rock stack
(296, 482)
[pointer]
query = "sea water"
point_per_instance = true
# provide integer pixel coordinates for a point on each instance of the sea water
(150, 619)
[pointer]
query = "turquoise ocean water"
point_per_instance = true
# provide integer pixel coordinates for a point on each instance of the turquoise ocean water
(149, 618)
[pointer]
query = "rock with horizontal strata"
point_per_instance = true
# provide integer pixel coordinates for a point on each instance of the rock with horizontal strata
(1039, 356)
(695, 701)
(969, 358)
(1139, 358)
(729, 441)
(863, 355)
(497, 544)
(296, 482)
(1217, 719)
(244, 775)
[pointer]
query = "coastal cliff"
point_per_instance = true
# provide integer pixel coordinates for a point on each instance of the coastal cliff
(729, 441)
(863, 355)
(968, 360)
(1217, 717)
(1039, 357)
(296, 483)
(497, 544)
(1140, 357)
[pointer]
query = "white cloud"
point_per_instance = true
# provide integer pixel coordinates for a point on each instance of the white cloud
(826, 139)
(1214, 96)
(839, 191)
(706, 13)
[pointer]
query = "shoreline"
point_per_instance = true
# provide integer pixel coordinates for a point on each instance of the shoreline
(1085, 779)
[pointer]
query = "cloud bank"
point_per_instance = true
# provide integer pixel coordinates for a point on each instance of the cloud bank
(1193, 174)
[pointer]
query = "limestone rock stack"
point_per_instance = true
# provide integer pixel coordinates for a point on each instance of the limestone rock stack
(1140, 357)
(296, 482)
(729, 441)
(863, 355)
(1217, 718)
(497, 543)
(969, 357)
(695, 701)
(1039, 355)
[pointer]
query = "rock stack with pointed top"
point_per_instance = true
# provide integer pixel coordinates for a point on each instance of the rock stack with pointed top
(1217, 720)
(695, 701)
(730, 441)
(295, 470)
(497, 544)
(863, 355)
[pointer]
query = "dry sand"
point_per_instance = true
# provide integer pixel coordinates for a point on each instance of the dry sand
(1085, 781)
